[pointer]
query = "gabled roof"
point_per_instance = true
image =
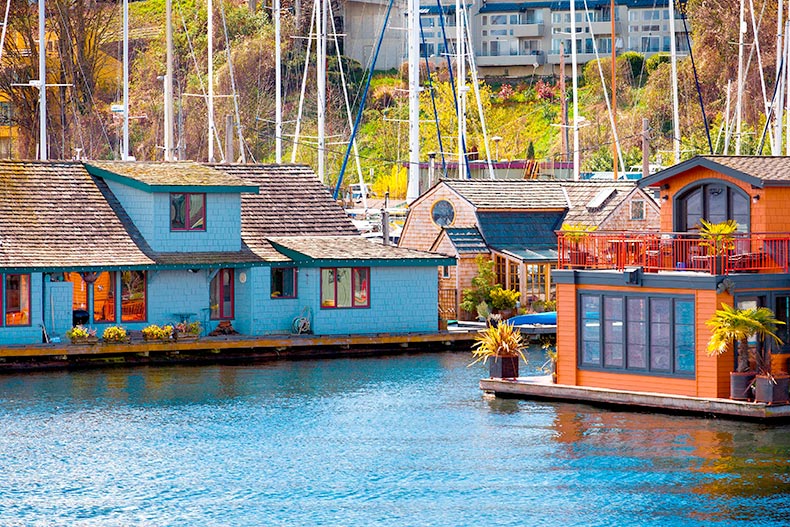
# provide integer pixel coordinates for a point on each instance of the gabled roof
(53, 215)
(509, 194)
(591, 202)
(466, 240)
(179, 176)
(291, 202)
(350, 250)
(758, 171)
(516, 230)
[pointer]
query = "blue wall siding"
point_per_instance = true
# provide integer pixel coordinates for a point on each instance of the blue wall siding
(139, 205)
(223, 226)
(58, 308)
(275, 316)
(27, 334)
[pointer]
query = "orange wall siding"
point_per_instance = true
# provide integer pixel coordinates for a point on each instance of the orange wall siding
(566, 334)
(712, 372)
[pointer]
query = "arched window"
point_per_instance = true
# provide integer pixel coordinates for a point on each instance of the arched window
(713, 201)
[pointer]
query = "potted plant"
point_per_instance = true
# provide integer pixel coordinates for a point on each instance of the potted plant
(731, 324)
(504, 345)
(154, 332)
(719, 238)
(770, 388)
(82, 335)
(548, 344)
(187, 330)
(575, 233)
(115, 334)
(504, 301)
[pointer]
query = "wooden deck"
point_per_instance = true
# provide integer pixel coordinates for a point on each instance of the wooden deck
(543, 389)
(227, 348)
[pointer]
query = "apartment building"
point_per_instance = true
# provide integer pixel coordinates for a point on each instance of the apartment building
(516, 38)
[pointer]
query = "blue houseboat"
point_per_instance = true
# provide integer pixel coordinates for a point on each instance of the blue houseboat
(254, 247)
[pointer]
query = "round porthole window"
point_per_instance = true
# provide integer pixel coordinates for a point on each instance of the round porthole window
(443, 213)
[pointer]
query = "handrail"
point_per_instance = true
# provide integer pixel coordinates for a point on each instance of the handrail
(673, 251)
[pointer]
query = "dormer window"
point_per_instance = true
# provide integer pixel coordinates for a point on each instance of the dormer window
(187, 212)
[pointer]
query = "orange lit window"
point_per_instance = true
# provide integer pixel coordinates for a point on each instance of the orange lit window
(17, 299)
(104, 297)
(133, 296)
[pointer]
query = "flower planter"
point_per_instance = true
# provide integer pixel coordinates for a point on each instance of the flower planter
(741, 385)
(184, 337)
(504, 367)
(772, 389)
(84, 340)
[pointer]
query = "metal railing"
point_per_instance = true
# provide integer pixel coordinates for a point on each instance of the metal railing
(674, 251)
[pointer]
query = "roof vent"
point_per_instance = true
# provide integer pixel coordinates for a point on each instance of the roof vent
(600, 198)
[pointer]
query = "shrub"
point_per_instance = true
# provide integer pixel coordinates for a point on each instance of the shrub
(114, 334)
(482, 284)
(504, 298)
(188, 328)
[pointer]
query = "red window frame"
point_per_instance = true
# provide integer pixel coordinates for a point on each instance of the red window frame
(187, 222)
(354, 304)
(220, 312)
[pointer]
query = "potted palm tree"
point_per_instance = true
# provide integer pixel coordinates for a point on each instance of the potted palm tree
(719, 238)
(769, 387)
(504, 345)
(731, 324)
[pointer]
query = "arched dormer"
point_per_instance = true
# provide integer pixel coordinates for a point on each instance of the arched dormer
(715, 201)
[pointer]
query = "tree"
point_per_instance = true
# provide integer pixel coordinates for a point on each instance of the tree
(731, 324)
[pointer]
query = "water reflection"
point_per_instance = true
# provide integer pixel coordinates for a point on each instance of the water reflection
(406, 440)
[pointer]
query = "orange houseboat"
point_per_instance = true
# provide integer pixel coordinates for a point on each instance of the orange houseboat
(632, 306)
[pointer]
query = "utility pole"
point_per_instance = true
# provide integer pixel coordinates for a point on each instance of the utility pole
(564, 105)
(278, 103)
(575, 73)
(321, 84)
(460, 86)
(739, 92)
(125, 150)
(673, 59)
(614, 91)
(210, 31)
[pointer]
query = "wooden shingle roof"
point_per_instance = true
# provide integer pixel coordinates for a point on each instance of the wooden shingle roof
(510, 194)
(168, 177)
(53, 216)
(585, 208)
(755, 170)
(350, 248)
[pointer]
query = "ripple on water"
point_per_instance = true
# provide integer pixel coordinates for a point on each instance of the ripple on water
(369, 442)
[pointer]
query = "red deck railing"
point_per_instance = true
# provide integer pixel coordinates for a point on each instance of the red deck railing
(673, 251)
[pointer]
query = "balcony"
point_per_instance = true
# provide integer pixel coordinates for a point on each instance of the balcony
(675, 251)
(528, 30)
(533, 58)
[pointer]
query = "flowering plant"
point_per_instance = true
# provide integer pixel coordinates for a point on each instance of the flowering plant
(114, 334)
(80, 332)
(154, 332)
(188, 328)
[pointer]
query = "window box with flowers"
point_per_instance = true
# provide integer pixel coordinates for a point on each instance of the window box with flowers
(186, 331)
(82, 335)
(115, 335)
(154, 332)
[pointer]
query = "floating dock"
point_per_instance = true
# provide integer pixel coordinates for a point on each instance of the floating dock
(541, 388)
(227, 348)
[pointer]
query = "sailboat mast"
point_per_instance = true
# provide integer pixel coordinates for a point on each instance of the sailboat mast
(42, 87)
(575, 80)
(673, 53)
(210, 99)
(614, 89)
(321, 84)
(460, 64)
(125, 151)
(278, 103)
(739, 87)
(413, 16)
(779, 54)
(168, 142)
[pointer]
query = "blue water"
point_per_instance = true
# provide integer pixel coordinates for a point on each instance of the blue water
(398, 441)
